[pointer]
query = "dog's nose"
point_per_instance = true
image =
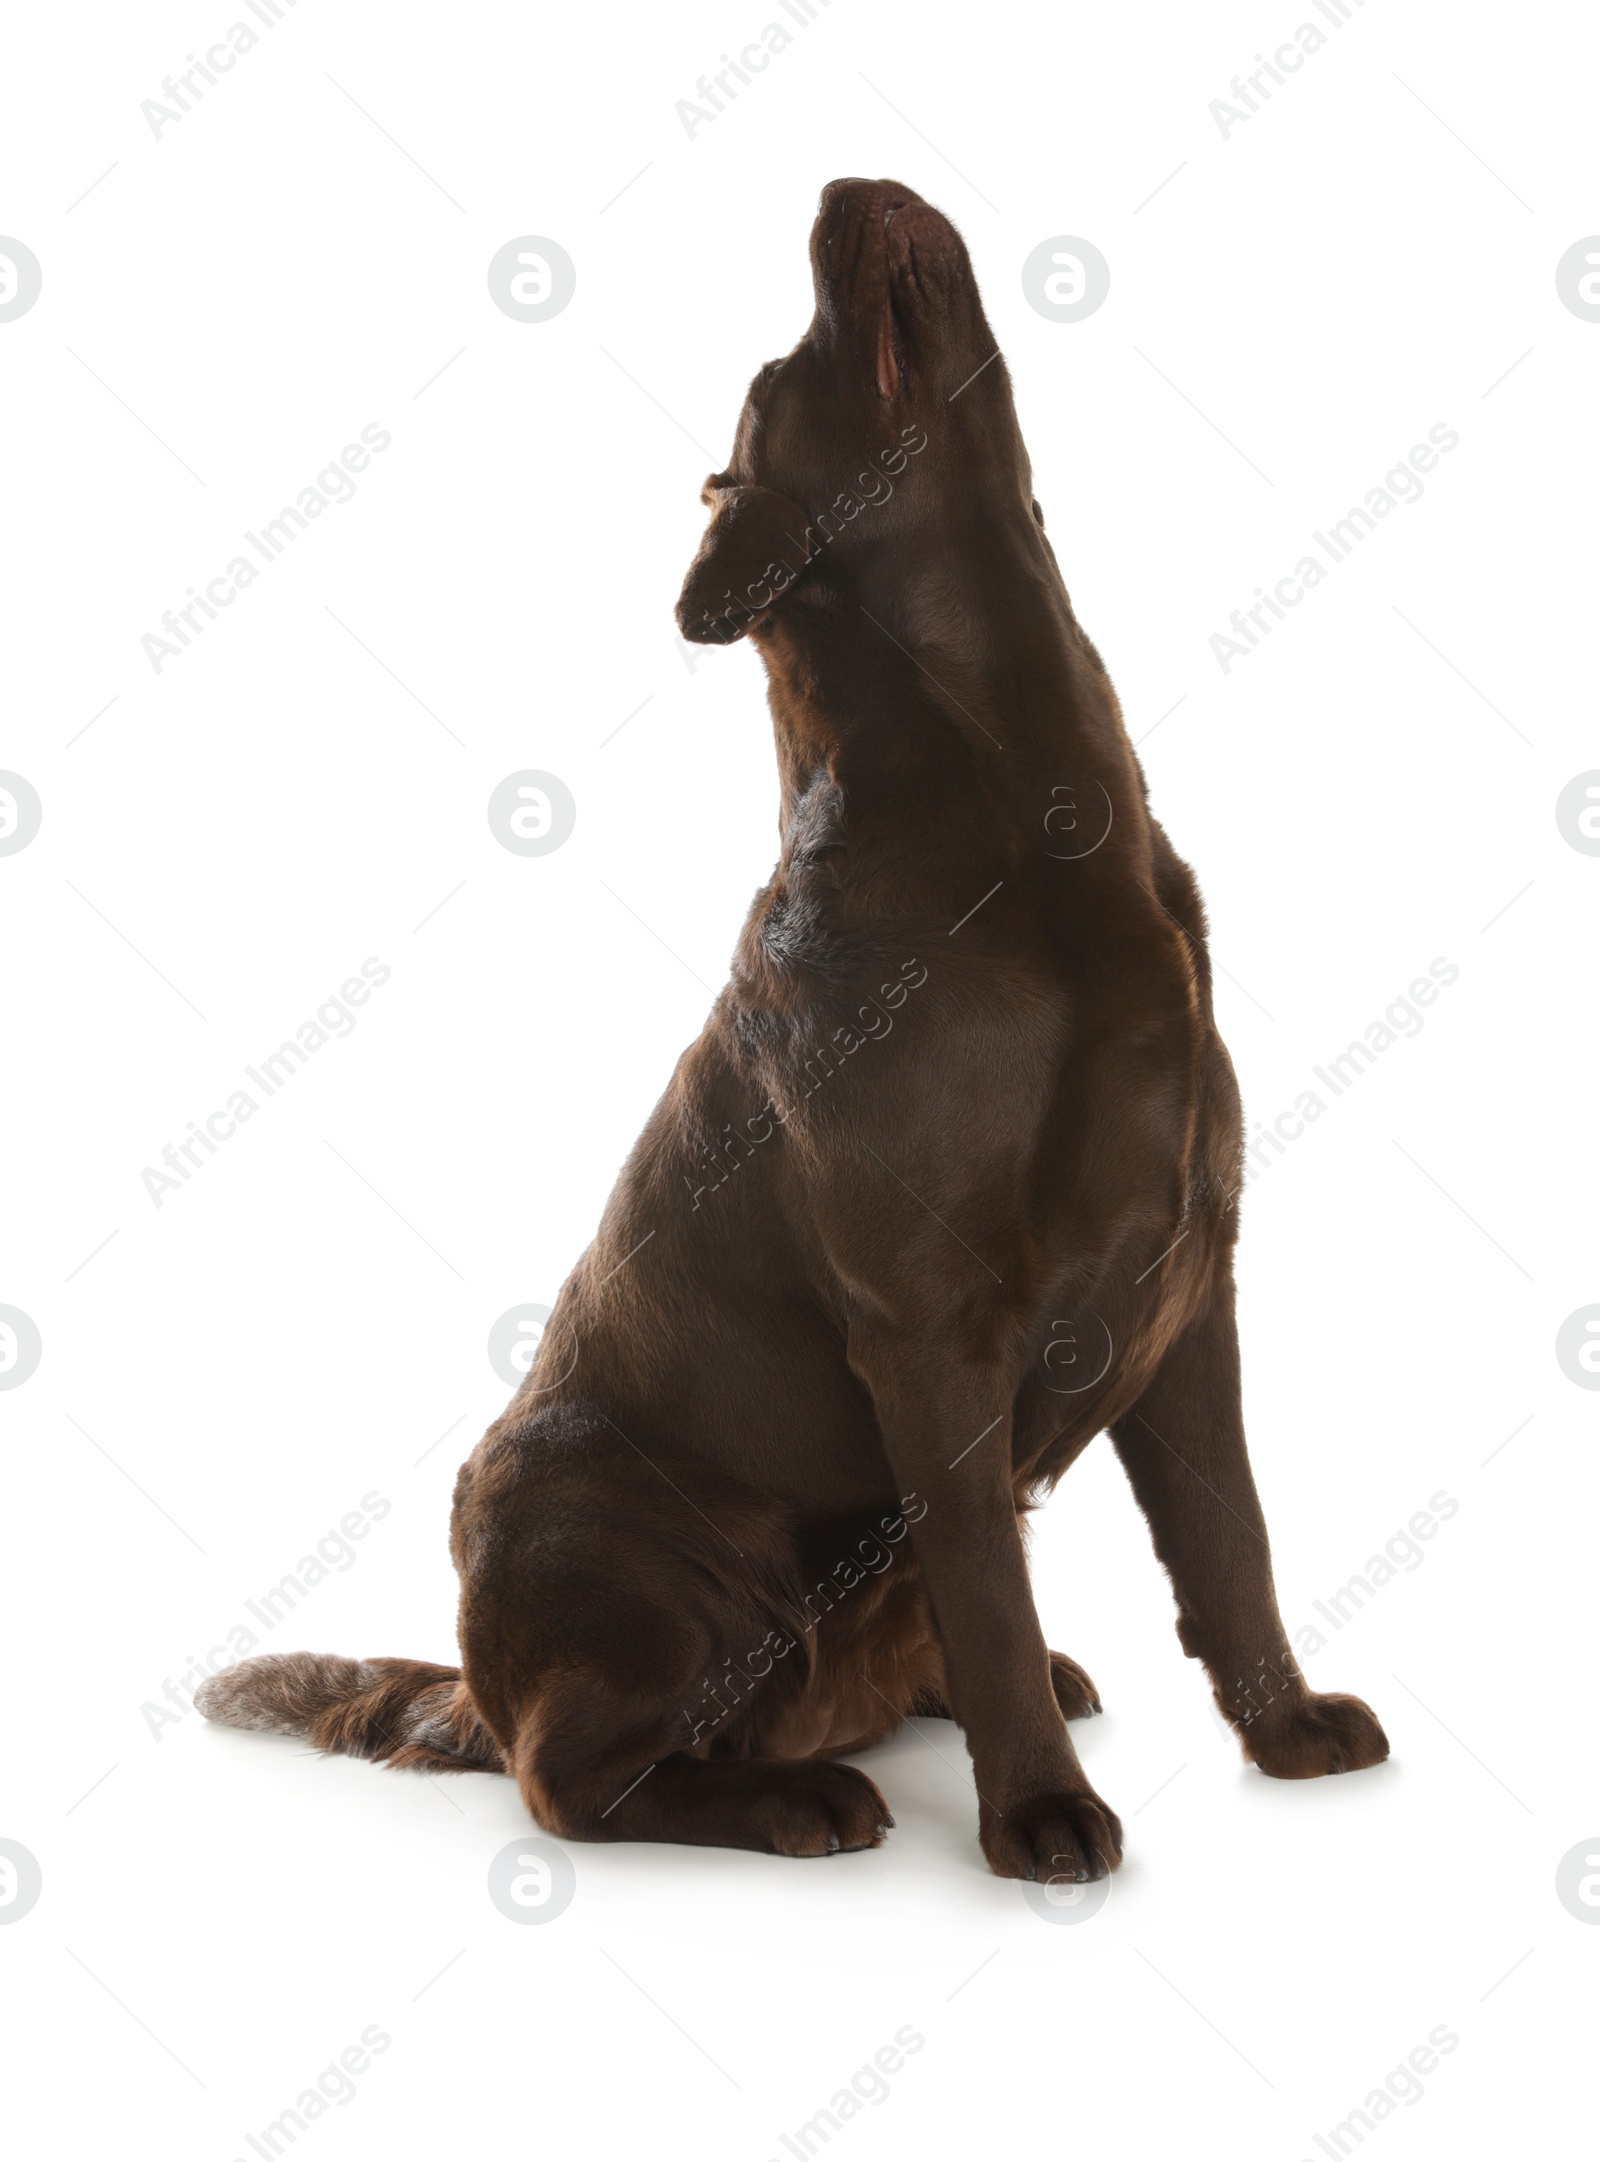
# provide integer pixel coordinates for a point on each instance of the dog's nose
(837, 192)
(840, 197)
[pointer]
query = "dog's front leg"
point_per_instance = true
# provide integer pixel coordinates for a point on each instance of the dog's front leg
(947, 1431)
(1183, 1448)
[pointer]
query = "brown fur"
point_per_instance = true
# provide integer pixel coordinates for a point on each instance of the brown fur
(959, 1131)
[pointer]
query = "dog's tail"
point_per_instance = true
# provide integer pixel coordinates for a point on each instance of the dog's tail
(403, 1712)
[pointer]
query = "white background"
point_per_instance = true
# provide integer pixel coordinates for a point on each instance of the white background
(306, 786)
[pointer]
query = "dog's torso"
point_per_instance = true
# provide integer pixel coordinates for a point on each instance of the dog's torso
(963, 1080)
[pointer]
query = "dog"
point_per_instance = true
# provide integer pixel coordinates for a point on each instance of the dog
(945, 1187)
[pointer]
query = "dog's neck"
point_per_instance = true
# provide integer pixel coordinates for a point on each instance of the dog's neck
(966, 668)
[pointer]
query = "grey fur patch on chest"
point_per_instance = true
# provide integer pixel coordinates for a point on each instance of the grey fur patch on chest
(816, 827)
(797, 930)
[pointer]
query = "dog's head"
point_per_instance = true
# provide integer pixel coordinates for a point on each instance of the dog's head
(892, 415)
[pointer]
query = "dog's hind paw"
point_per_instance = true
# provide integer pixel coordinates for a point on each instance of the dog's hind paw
(815, 1808)
(1075, 1693)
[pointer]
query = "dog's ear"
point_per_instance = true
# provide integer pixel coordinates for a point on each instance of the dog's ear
(754, 552)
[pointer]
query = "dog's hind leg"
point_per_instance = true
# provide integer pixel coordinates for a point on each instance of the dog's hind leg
(586, 1787)
(632, 1630)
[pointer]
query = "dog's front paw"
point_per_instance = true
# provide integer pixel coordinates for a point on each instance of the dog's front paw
(1053, 1837)
(1319, 1734)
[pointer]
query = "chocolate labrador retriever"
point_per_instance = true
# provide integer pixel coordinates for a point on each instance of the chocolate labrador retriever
(945, 1186)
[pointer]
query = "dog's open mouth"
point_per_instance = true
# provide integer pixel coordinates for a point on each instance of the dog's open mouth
(891, 330)
(919, 250)
(890, 262)
(891, 350)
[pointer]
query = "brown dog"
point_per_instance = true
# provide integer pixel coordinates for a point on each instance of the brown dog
(944, 1188)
